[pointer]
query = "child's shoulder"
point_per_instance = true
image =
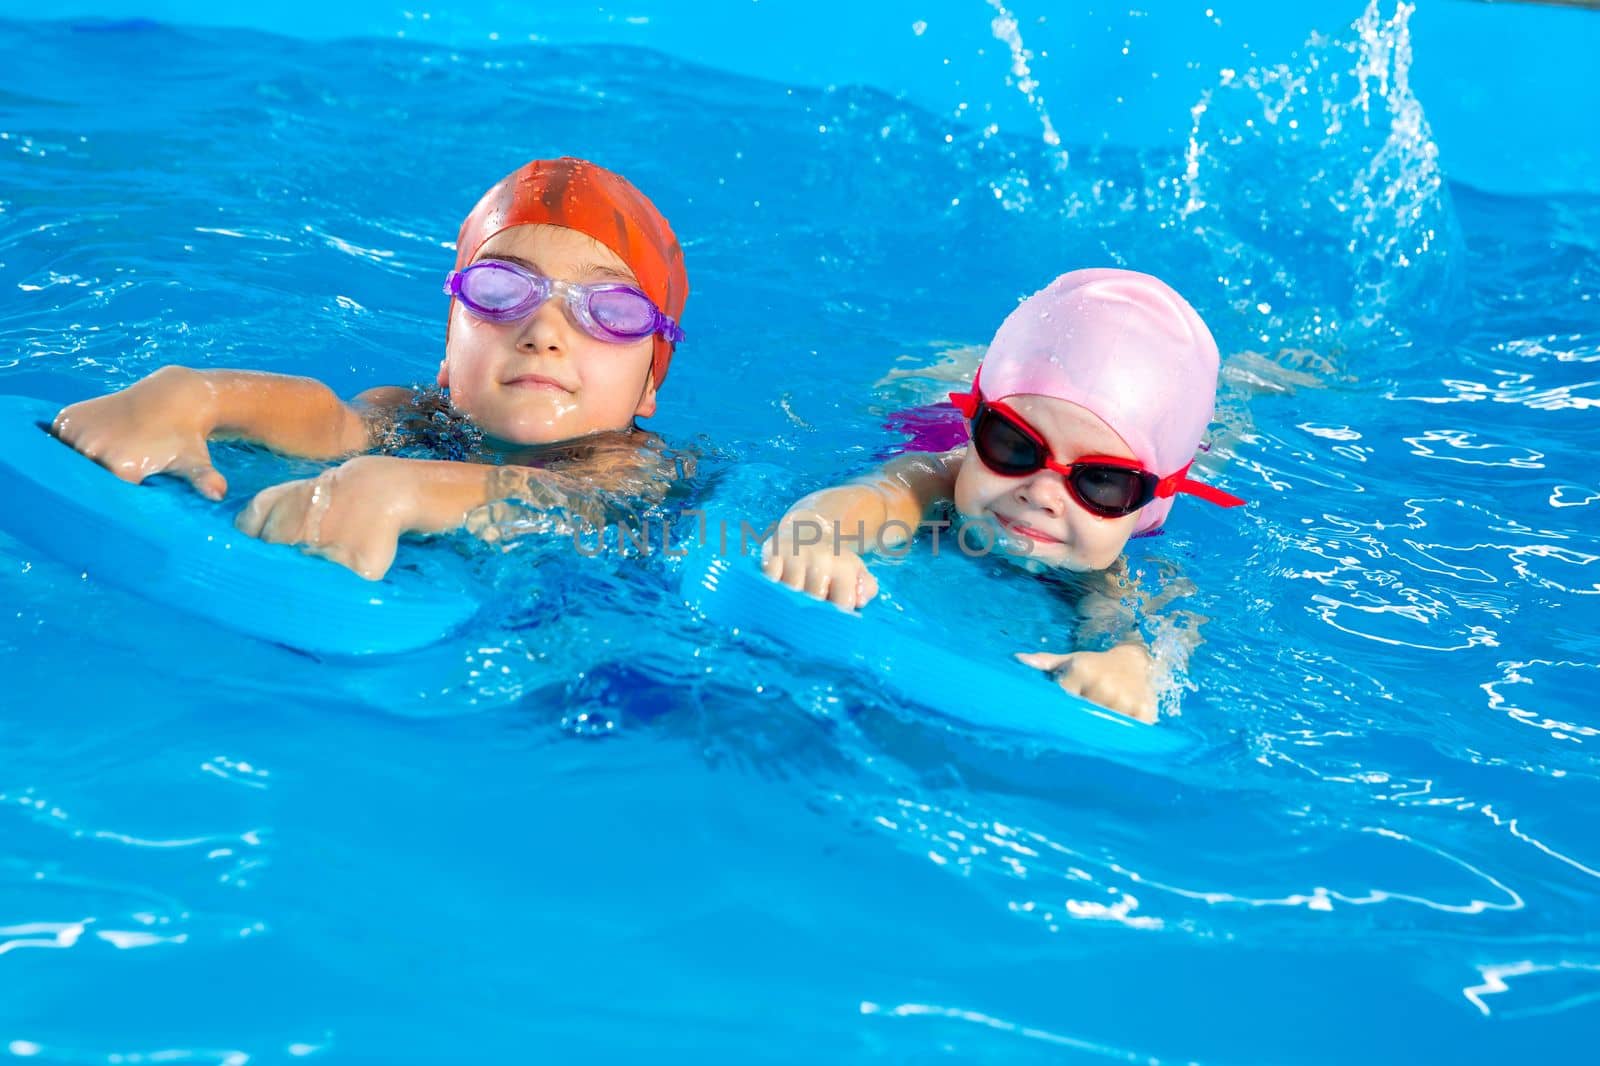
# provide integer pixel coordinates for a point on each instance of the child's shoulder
(417, 422)
(932, 466)
(387, 397)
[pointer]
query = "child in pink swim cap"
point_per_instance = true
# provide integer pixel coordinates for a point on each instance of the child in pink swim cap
(1083, 420)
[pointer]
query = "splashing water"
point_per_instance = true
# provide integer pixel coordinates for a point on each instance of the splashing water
(1308, 197)
(1005, 30)
(1325, 179)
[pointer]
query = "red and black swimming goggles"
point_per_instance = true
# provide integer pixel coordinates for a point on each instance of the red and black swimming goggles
(1104, 485)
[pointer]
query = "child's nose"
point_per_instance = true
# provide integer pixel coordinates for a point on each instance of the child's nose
(1046, 491)
(546, 330)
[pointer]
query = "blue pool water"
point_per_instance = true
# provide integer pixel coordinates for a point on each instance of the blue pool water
(593, 827)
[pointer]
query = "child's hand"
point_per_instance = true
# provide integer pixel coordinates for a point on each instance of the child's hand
(1118, 679)
(155, 426)
(821, 568)
(353, 513)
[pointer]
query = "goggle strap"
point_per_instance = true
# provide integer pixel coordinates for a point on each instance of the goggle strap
(1210, 493)
(966, 403)
(1182, 482)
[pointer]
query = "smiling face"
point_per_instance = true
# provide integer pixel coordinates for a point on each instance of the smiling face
(1037, 513)
(542, 379)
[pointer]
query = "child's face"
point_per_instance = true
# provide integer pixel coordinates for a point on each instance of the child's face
(1038, 510)
(543, 379)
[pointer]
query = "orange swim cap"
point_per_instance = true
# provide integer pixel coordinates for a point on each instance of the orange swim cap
(579, 195)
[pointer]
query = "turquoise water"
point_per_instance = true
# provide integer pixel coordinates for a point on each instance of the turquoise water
(595, 827)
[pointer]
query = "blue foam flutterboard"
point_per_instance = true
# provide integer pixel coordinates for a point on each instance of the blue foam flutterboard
(919, 662)
(169, 545)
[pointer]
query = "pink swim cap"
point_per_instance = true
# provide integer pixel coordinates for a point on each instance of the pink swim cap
(1126, 347)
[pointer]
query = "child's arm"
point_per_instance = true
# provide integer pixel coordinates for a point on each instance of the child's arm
(356, 512)
(160, 424)
(818, 543)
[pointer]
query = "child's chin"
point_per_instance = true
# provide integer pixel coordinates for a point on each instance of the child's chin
(1043, 562)
(1038, 557)
(533, 428)
(517, 439)
(530, 433)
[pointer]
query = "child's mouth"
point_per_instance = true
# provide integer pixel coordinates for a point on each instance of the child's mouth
(1026, 531)
(537, 382)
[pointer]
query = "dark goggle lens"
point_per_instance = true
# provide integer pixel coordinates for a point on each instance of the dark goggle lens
(1112, 491)
(623, 312)
(1003, 447)
(1108, 491)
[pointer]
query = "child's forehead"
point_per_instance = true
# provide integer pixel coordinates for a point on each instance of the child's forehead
(1070, 428)
(558, 250)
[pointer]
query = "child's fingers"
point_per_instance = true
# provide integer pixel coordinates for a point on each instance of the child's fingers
(843, 591)
(135, 462)
(1059, 667)
(369, 564)
(1091, 685)
(279, 525)
(272, 516)
(793, 571)
(249, 520)
(364, 567)
(818, 581)
(69, 428)
(1122, 700)
(1143, 709)
(295, 518)
(370, 569)
(63, 425)
(1054, 663)
(866, 587)
(368, 549)
(793, 575)
(374, 562)
(122, 466)
(205, 478)
(1075, 684)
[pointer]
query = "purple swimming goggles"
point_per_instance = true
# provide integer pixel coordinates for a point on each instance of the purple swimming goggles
(502, 291)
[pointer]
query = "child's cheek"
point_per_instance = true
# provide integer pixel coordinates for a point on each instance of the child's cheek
(969, 496)
(459, 330)
(469, 339)
(1110, 543)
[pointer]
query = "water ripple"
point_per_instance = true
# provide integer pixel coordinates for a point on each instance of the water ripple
(32, 1050)
(1554, 690)
(1582, 985)
(988, 1021)
(1461, 446)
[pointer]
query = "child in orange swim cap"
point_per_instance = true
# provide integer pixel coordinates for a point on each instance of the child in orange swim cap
(565, 299)
(564, 305)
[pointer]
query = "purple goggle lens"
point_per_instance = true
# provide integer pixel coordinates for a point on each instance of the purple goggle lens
(501, 291)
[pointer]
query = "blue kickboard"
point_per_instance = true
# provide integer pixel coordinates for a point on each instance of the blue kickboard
(1001, 696)
(169, 545)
